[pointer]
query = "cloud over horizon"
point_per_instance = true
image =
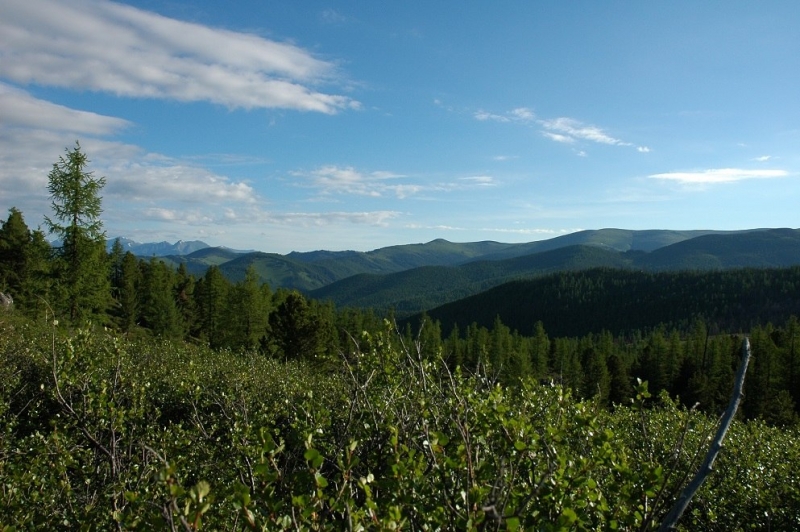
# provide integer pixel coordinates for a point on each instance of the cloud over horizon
(719, 175)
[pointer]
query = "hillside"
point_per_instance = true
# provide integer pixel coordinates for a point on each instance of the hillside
(757, 249)
(427, 287)
(308, 271)
(419, 289)
(199, 261)
(590, 301)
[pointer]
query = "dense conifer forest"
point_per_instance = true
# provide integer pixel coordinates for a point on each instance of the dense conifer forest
(138, 396)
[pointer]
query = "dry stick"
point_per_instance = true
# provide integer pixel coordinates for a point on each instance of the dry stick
(674, 515)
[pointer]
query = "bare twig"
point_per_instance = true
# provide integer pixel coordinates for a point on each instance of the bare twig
(674, 515)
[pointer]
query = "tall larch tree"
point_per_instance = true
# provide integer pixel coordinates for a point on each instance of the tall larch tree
(82, 280)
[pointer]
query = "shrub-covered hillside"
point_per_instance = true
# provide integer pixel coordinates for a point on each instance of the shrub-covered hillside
(103, 431)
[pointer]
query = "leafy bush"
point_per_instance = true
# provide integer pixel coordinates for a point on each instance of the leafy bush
(100, 432)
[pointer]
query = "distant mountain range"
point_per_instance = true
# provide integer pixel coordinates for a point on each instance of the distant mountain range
(157, 249)
(415, 277)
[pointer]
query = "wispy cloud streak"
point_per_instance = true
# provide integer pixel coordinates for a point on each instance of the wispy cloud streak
(719, 175)
(115, 48)
(562, 129)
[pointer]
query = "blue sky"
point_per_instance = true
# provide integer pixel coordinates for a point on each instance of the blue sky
(305, 125)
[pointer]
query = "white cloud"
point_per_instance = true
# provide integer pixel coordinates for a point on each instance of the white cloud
(331, 16)
(347, 180)
(719, 175)
(763, 158)
(333, 179)
(376, 218)
(575, 129)
(480, 180)
(520, 114)
(109, 47)
(559, 138)
(405, 191)
(523, 113)
(20, 109)
(174, 182)
(483, 116)
(562, 129)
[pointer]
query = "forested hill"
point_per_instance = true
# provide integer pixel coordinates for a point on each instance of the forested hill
(420, 289)
(590, 301)
(415, 290)
(649, 249)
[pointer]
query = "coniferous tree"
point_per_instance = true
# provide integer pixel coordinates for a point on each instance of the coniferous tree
(620, 382)
(596, 380)
(115, 267)
(763, 375)
(500, 350)
(15, 237)
(429, 337)
(788, 343)
(519, 360)
(248, 312)
(159, 312)
(296, 330)
(567, 369)
(540, 351)
(186, 299)
(128, 297)
(212, 296)
(24, 265)
(81, 267)
(477, 342)
(453, 348)
(653, 361)
(38, 282)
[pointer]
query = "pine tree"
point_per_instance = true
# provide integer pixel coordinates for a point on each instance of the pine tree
(453, 348)
(38, 282)
(185, 298)
(159, 311)
(115, 267)
(212, 296)
(296, 329)
(76, 202)
(596, 379)
(540, 351)
(620, 383)
(24, 264)
(500, 350)
(791, 359)
(128, 297)
(14, 241)
(763, 376)
(248, 312)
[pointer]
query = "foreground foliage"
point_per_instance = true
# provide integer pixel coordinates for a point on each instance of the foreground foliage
(99, 432)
